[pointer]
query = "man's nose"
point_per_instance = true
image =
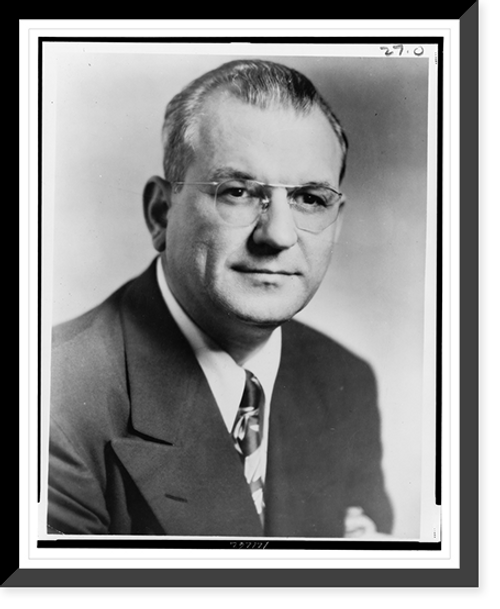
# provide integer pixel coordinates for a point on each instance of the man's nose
(276, 226)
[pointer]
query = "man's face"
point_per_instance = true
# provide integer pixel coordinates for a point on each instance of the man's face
(265, 273)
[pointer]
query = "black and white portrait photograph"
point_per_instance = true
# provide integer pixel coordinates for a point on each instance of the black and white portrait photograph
(240, 301)
(253, 356)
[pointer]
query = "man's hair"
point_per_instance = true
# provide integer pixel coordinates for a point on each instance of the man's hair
(256, 82)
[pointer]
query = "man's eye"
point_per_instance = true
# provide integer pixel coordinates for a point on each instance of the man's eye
(309, 199)
(235, 192)
(232, 189)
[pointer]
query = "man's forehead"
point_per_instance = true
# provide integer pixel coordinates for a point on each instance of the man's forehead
(232, 132)
(223, 104)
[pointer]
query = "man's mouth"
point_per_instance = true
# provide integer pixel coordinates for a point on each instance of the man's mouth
(262, 271)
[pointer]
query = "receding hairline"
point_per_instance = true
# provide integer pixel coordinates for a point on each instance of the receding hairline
(224, 93)
(257, 83)
(215, 98)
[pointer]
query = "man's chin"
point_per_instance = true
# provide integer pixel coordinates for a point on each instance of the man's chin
(265, 323)
(266, 319)
(259, 311)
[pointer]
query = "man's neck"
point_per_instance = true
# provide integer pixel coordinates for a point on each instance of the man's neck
(242, 344)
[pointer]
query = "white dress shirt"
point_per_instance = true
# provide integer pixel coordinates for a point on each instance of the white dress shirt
(225, 377)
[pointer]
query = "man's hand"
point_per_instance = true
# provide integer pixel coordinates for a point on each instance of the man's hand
(358, 526)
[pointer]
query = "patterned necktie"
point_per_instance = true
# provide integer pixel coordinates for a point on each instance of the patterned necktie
(247, 438)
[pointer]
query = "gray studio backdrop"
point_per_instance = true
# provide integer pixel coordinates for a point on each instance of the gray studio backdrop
(108, 110)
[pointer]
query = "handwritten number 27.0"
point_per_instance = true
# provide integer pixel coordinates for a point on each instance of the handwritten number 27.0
(389, 52)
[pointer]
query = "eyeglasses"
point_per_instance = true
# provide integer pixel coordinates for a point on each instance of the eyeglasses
(241, 202)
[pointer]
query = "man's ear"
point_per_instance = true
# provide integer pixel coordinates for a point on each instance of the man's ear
(338, 222)
(156, 203)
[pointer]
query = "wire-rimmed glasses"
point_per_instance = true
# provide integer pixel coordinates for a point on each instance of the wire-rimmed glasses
(241, 202)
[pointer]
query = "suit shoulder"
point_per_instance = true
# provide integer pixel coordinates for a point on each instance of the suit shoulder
(312, 343)
(103, 316)
(88, 362)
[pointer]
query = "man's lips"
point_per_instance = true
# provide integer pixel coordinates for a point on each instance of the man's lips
(262, 271)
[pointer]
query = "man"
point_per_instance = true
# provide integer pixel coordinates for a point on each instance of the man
(188, 403)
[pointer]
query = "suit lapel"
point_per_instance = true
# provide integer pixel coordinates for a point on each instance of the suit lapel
(179, 454)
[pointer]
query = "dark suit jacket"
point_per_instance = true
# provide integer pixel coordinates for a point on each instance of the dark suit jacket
(138, 446)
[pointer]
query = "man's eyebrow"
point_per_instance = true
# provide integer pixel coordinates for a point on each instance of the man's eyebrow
(230, 173)
(313, 184)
